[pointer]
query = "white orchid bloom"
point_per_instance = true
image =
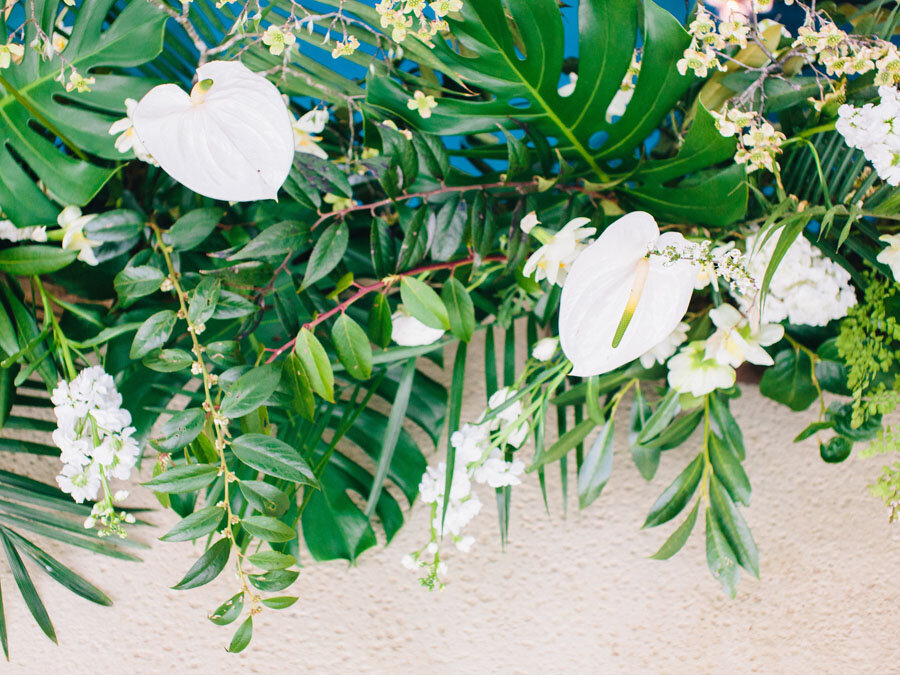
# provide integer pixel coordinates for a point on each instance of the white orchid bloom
(890, 255)
(736, 341)
(305, 128)
(408, 331)
(560, 249)
(230, 138)
(692, 372)
(669, 345)
(619, 300)
(72, 223)
(127, 139)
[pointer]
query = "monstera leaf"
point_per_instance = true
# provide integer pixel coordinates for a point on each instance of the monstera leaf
(60, 137)
(511, 54)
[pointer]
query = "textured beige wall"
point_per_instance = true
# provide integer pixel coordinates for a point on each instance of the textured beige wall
(569, 595)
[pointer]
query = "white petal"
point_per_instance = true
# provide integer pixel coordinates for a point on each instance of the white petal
(237, 145)
(597, 290)
(314, 121)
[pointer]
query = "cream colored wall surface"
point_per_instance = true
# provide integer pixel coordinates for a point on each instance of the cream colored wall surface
(572, 594)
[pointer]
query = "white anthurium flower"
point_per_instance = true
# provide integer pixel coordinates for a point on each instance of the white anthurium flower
(72, 223)
(890, 255)
(560, 249)
(736, 341)
(408, 331)
(231, 138)
(305, 128)
(619, 300)
(692, 372)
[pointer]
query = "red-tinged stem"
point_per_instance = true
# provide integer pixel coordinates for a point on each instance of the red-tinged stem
(377, 286)
(340, 213)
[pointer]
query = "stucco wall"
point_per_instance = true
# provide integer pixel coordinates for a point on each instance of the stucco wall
(574, 594)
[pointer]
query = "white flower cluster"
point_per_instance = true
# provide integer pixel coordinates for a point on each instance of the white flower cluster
(399, 16)
(709, 37)
(844, 54)
(559, 249)
(807, 288)
(95, 437)
(875, 129)
(478, 459)
(759, 143)
(711, 263)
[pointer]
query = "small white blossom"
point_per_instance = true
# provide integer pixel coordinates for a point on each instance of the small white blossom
(72, 223)
(560, 249)
(545, 348)
(10, 232)
(127, 139)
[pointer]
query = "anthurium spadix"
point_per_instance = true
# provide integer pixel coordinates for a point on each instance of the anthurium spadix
(620, 298)
(230, 138)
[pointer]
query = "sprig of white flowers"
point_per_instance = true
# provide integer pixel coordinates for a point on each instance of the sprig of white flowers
(96, 439)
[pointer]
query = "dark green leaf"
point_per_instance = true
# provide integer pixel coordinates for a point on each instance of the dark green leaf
(26, 587)
(276, 240)
(152, 334)
(182, 479)
(242, 636)
(675, 497)
(180, 429)
(275, 580)
(380, 326)
(352, 346)
(733, 527)
(272, 560)
(192, 228)
(207, 567)
(228, 611)
(135, 282)
(725, 426)
(728, 469)
(265, 497)
(315, 364)
(679, 537)
(836, 449)
(415, 240)
(789, 381)
(203, 300)
(719, 556)
(281, 602)
(327, 252)
(295, 378)
(29, 259)
(251, 390)
(198, 524)
(168, 360)
(267, 528)
(273, 457)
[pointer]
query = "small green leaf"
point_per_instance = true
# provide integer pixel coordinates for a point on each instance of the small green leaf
(381, 245)
(168, 360)
(675, 497)
(380, 326)
(836, 449)
(275, 580)
(207, 567)
(725, 426)
(280, 602)
(242, 636)
(719, 556)
(228, 611)
(352, 346)
(566, 442)
(275, 240)
(152, 334)
(31, 259)
(679, 537)
(180, 429)
(733, 527)
(272, 560)
(273, 457)
(327, 252)
(315, 364)
(460, 311)
(811, 429)
(659, 420)
(265, 497)
(203, 300)
(136, 282)
(251, 390)
(182, 479)
(294, 376)
(597, 467)
(423, 303)
(415, 240)
(449, 227)
(268, 529)
(198, 524)
(192, 228)
(26, 587)
(728, 469)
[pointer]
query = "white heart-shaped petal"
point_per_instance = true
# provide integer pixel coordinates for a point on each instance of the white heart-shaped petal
(598, 287)
(237, 144)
